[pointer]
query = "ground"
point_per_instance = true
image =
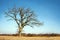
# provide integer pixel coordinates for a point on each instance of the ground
(28, 38)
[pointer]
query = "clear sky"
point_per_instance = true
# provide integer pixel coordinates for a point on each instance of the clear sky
(47, 11)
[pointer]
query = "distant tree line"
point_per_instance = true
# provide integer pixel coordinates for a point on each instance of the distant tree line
(31, 35)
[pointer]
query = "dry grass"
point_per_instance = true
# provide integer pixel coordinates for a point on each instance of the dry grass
(28, 38)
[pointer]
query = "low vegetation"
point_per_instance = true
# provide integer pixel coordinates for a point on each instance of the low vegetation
(30, 36)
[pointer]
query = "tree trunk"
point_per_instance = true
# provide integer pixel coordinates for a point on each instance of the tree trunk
(19, 31)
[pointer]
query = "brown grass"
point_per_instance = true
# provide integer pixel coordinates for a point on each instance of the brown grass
(29, 38)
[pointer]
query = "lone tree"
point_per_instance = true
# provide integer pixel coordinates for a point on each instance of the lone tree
(22, 17)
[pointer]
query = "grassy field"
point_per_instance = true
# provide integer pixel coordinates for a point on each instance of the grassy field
(28, 38)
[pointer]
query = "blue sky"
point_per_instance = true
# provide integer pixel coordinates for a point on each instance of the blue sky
(47, 11)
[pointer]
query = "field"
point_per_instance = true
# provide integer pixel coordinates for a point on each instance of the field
(28, 38)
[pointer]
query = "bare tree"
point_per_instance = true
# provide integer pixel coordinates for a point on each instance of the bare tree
(22, 17)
